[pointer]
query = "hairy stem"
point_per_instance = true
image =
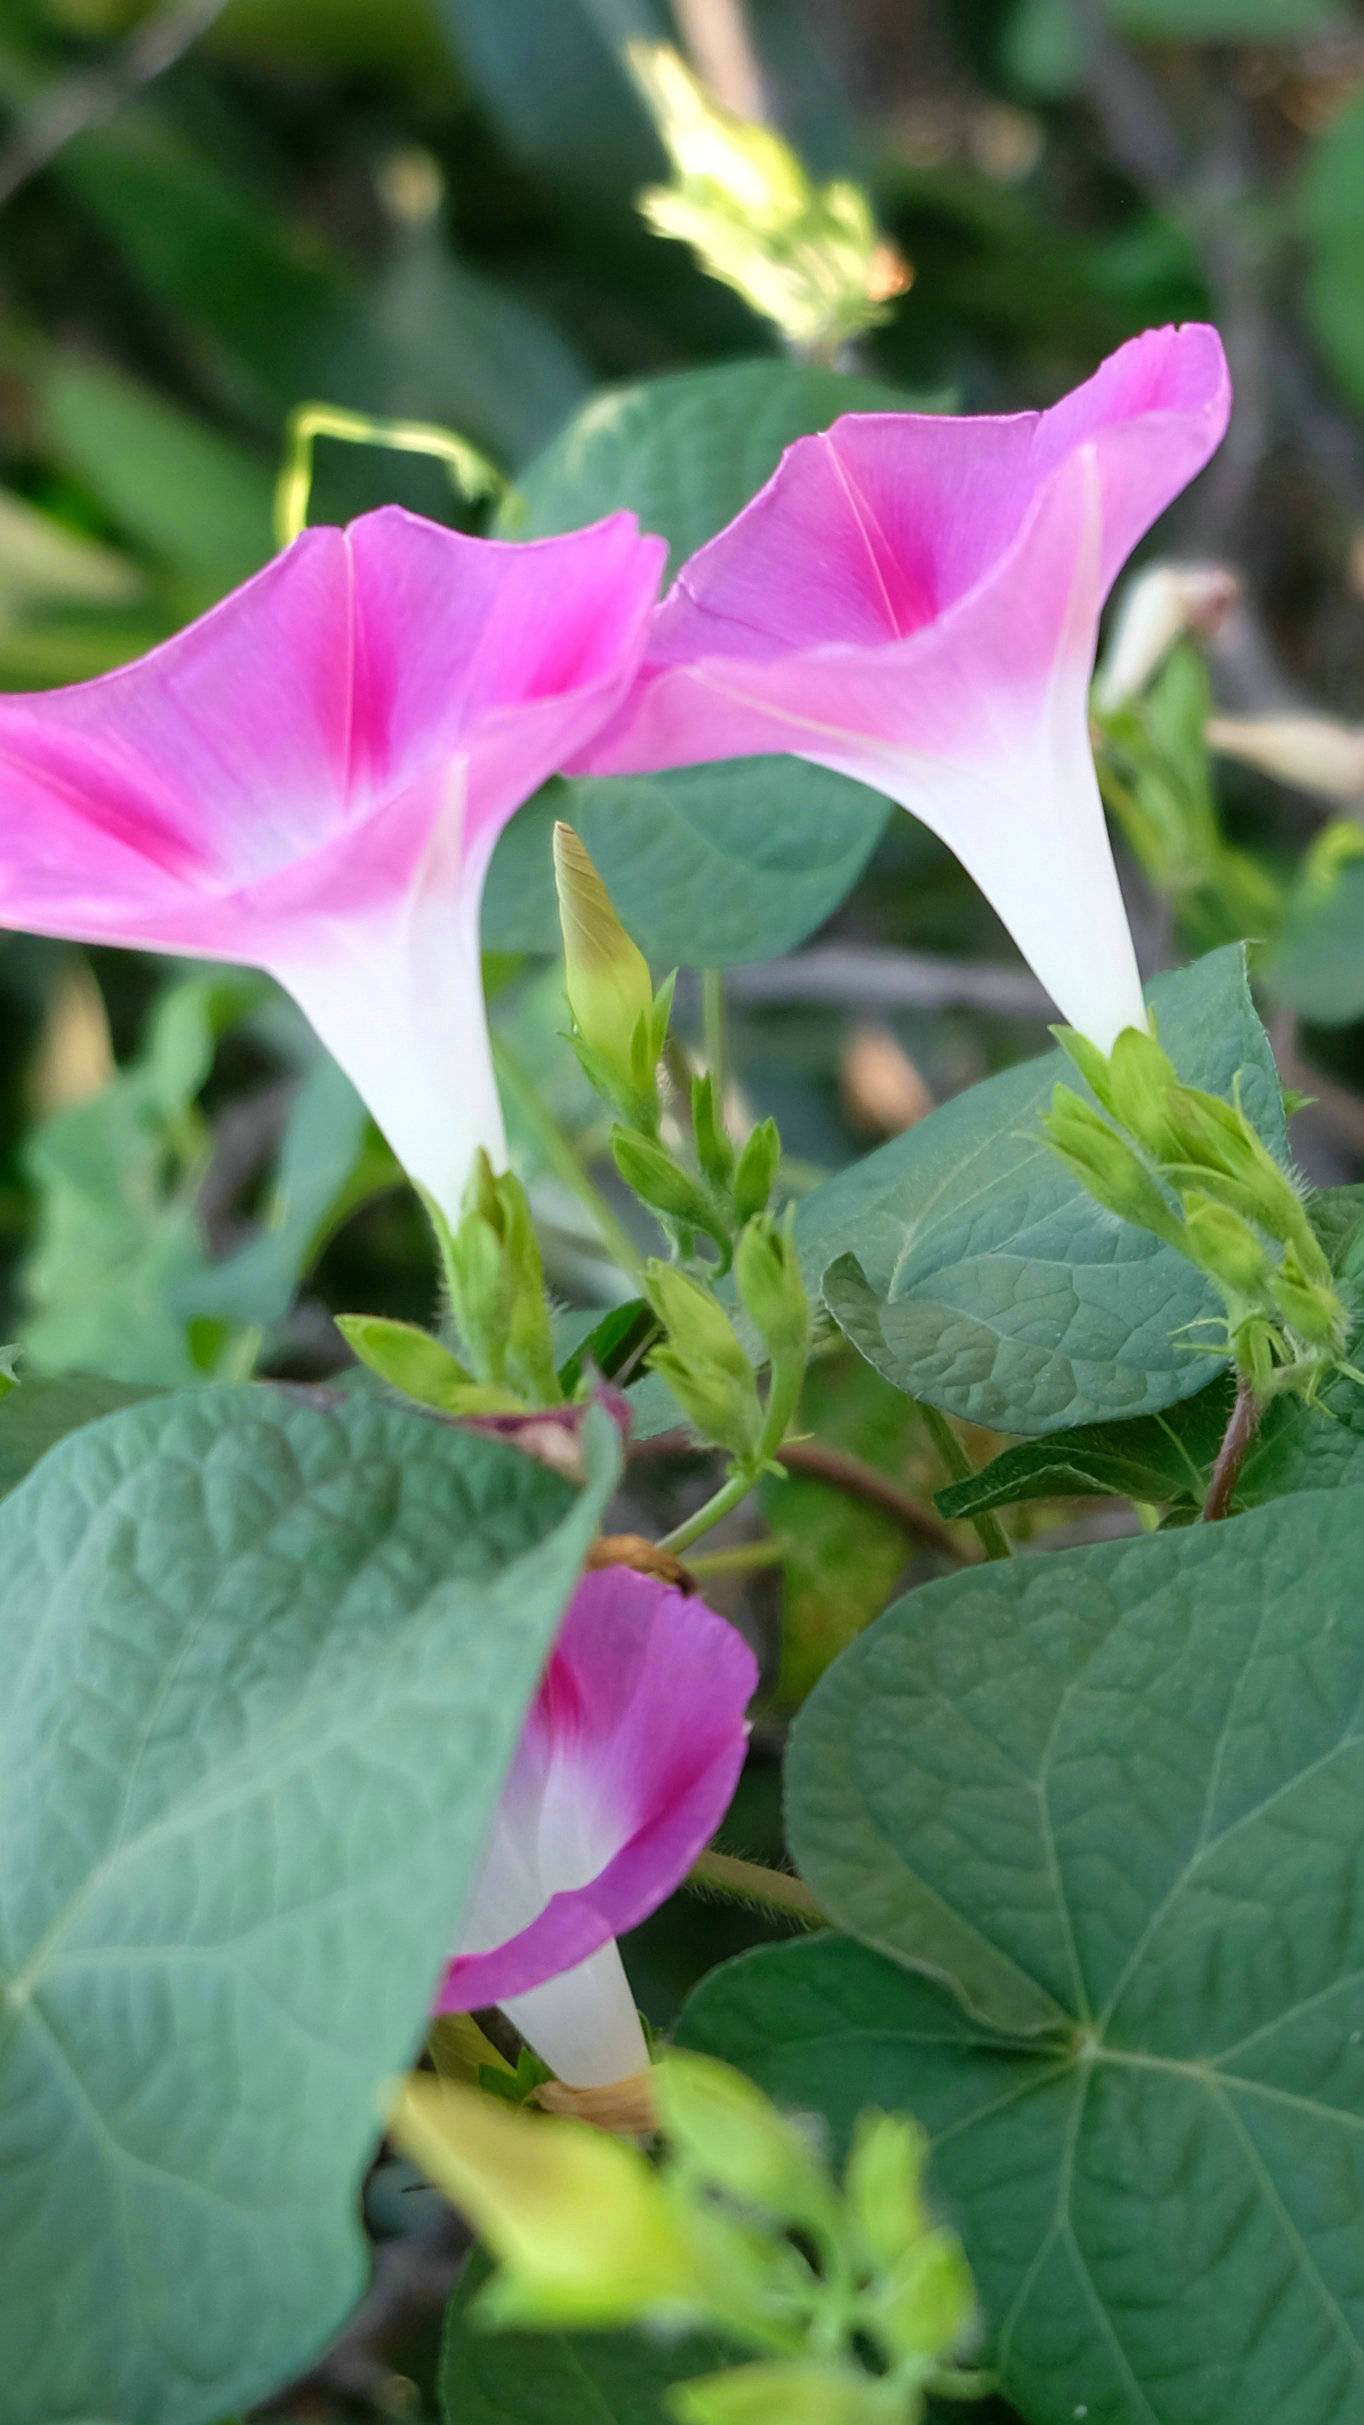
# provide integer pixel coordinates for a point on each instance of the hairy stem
(989, 1531)
(749, 1882)
(1231, 1456)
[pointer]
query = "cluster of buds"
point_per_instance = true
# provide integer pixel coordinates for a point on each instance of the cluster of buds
(739, 2226)
(500, 1357)
(721, 1193)
(619, 1031)
(1190, 1168)
(495, 1288)
(807, 256)
(725, 1191)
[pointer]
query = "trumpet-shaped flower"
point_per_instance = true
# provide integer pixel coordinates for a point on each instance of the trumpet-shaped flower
(311, 779)
(914, 600)
(629, 1756)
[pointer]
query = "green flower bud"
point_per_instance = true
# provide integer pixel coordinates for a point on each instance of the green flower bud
(924, 2305)
(583, 2227)
(1225, 1246)
(694, 1319)
(608, 982)
(1142, 1077)
(480, 1293)
(1217, 1137)
(738, 2141)
(758, 1165)
(728, 1413)
(1090, 1062)
(1108, 1166)
(703, 1362)
(772, 1289)
(1131, 1082)
(1218, 1150)
(883, 2185)
(497, 1288)
(1316, 1313)
(610, 991)
(530, 1335)
(659, 1181)
(789, 2391)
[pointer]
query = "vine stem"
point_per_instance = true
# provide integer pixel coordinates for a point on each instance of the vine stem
(783, 1397)
(989, 1531)
(566, 1162)
(746, 1557)
(730, 1494)
(859, 1480)
(749, 1882)
(1231, 1456)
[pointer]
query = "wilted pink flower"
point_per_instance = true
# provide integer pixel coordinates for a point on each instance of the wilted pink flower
(629, 1757)
(311, 779)
(914, 600)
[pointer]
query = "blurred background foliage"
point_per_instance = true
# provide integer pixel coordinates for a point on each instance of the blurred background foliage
(214, 210)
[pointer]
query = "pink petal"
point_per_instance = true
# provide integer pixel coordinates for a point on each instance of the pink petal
(288, 756)
(133, 803)
(311, 778)
(914, 600)
(629, 1757)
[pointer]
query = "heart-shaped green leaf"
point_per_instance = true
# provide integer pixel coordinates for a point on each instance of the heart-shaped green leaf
(262, 1663)
(1168, 1458)
(1112, 1797)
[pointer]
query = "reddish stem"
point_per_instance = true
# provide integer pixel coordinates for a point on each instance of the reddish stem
(1231, 1456)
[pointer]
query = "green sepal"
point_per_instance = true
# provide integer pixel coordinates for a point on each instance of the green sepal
(1110, 1168)
(650, 1171)
(740, 2142)
(496, 1287)
(408, 1358)
(714, 1151)
(772, 1290)
(703, 1361)
(757, 1170)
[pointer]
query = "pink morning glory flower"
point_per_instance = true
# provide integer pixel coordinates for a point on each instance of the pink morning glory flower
(629, 1756)
(311, 779)
(914, 600)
